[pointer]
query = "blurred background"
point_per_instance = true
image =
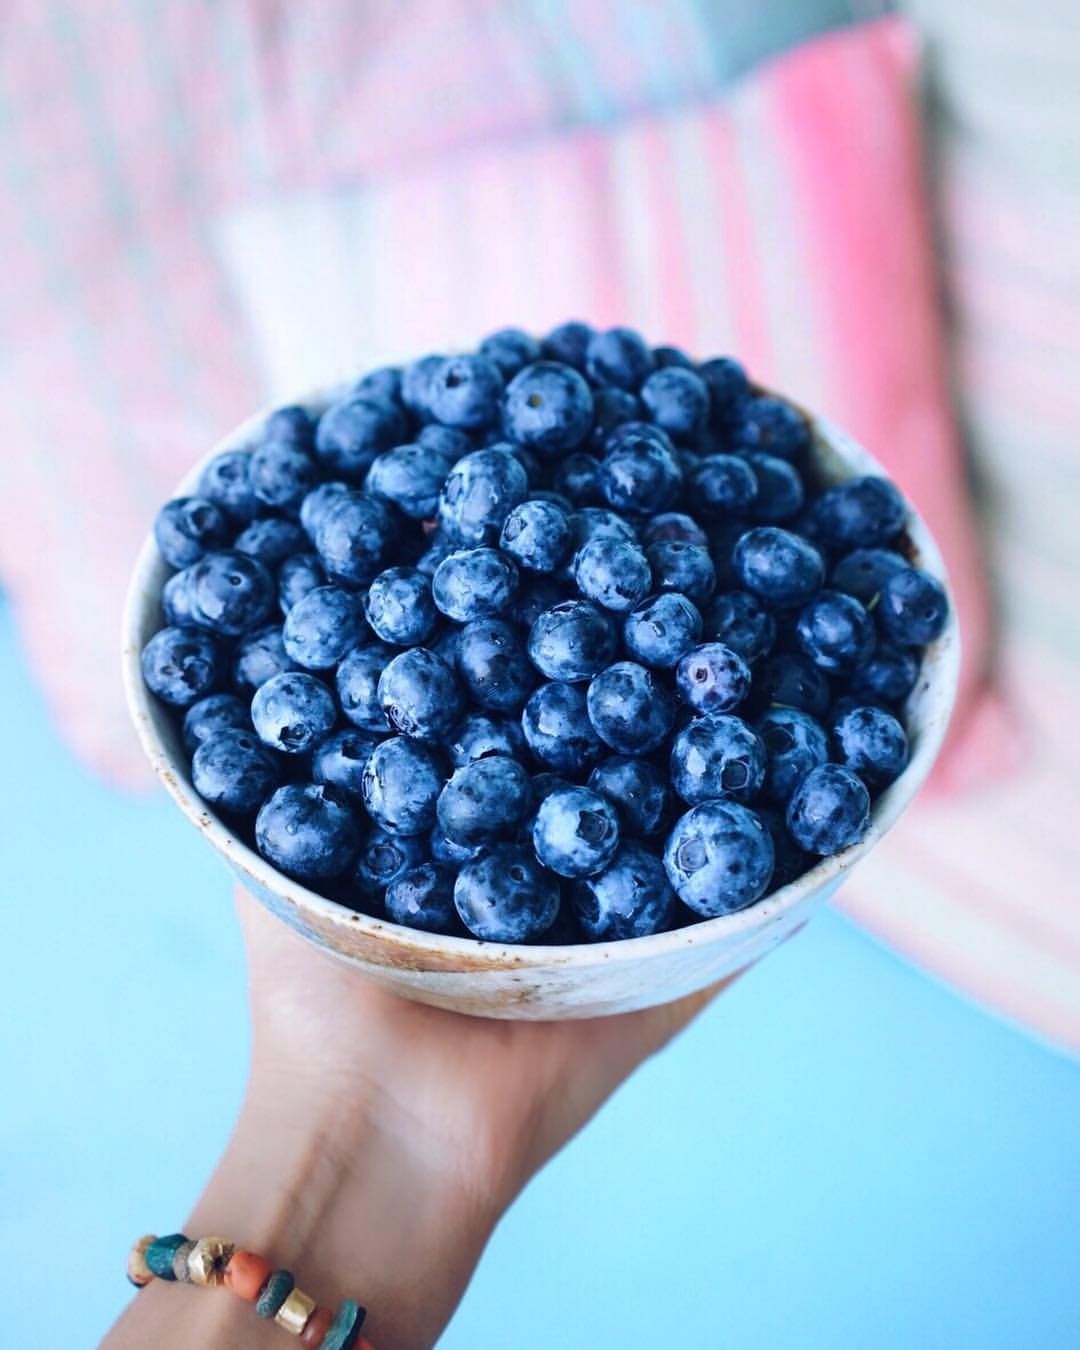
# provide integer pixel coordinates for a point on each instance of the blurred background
(204, 206)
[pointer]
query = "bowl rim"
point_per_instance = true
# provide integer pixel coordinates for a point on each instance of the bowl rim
(939, 672)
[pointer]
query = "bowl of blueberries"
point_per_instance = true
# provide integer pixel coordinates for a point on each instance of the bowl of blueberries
(554, 679)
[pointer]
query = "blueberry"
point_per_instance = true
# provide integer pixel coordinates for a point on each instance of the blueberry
(721, 486)
(558, 731)
(449, 443)
(780, 492)
(258, 657)
(613, 573)
(355, 538)
(271, 539)
(225, 482)
(401, 783)
(479, 493)
(544, 784)
(416, 385)
(232, 771)
(176, 599)
(791, 680)
(790, 860)
(724, 535)
(794, 744)
(618, 356)
(448, 853)
(298, 576)
(320, 629)
(421, 695)
(292, 712)
(188, 527)
(677, 399)
(536, 534)
(835, 632)
(671, 356)
(380, 386)
(474, 583)
(339, 760)
(410, 476)
(673, 527)
(384, 858)
(445, 642)
(889, 674)
(308, 832)
(630, 898)
(712, 678)
(719, 858)
(829, 810)
(317, 504)
(636, 788)
(779, 566)
(677, 565)
(572, 641)
(510, 349)
(729, 390)
(539, 594)
(230, 593)
(914, 608)
(423, 897)
(639, 473)
(399, 606)
(281, 473)
(357, 681)
(662, 630)
(214, 713)
(864, 572)
(504, 895)
(576, 832)
(353, 433)
(631, 711)
(577, 477)
(717, 756)
(180, 665)
(548, 407)
(740, 621)
(480, 736)
(292, 423)
(597, 522)
(568, 343)
(464, 391)
(611, 408)
(872, 744)
(433, 555)
(772, 427)
(861, 513)
(484, 801)
(494, 665)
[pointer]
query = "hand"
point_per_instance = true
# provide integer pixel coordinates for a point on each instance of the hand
(381, 1140)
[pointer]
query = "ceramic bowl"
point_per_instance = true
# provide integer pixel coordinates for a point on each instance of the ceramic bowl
(540, 982)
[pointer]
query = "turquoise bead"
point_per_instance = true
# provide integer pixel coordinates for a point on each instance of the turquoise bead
(274, 1293)
(160, 1254)
(344, 1330)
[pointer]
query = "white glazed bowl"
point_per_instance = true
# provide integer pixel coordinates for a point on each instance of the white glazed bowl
(538, 982)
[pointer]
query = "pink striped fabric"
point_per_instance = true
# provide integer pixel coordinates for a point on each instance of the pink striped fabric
(206, 205)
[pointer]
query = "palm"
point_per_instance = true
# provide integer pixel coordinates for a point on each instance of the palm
(486, 1082)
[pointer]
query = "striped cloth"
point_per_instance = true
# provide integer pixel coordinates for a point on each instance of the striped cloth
(208, 204)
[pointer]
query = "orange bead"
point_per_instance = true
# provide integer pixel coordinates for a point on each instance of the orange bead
(364, 1344)
(246, 1274)
(317, 1327)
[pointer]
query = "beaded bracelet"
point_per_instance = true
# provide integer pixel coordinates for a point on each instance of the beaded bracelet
(212, 1261)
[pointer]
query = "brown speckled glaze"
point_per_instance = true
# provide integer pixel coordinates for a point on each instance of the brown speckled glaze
(536, 982)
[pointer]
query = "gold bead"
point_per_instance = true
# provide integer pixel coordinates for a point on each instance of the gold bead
(207, 1260)
(138, 1272)
(294, 1313)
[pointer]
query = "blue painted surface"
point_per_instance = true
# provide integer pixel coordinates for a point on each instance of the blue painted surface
(839, 1154)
